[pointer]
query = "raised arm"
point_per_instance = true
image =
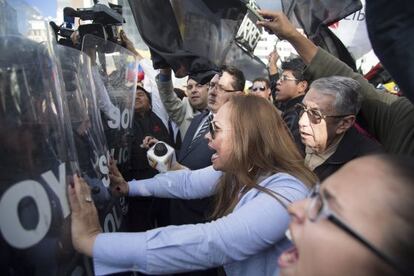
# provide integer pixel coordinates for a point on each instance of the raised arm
(389, 118)
(184, 184)
(175, 107)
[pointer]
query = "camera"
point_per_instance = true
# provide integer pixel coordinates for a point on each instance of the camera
(104, 24)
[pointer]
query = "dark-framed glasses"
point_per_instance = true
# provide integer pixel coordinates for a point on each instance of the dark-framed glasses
(318, 209)
(222, 89)
(286, 78)
(260, 88)
(315, 115)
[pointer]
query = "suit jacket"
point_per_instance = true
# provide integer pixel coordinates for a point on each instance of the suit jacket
(195, 157)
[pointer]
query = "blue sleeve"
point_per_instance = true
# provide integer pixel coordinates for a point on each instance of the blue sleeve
(184, 184)
(252, 228)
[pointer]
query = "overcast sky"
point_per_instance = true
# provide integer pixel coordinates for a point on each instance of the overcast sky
(269, 4)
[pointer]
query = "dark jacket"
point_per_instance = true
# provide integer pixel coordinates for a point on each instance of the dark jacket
(149, 125)
(291, 118)
(352, 145)
(145, 213)
(195, 157)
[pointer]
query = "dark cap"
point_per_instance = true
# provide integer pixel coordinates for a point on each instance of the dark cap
(202, 70)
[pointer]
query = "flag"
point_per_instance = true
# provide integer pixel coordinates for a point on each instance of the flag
(314, 17)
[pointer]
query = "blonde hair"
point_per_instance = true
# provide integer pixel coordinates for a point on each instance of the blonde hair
(262, 145)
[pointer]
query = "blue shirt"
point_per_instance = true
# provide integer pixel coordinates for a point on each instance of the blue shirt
(246, 242)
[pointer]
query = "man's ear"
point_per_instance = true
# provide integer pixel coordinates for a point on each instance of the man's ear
(345, 124)
(303, 86)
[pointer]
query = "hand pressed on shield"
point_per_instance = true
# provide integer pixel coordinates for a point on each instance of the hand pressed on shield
(85, 223)
(119, 187)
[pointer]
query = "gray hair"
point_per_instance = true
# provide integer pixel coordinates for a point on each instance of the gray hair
(345, 91)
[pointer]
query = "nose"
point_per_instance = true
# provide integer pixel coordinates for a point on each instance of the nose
(303, 120)
(297, 211)
(208, 136)
(278, 82)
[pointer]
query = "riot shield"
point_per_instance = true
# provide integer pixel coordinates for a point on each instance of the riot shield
(36, 162)
(88, 134)
(114, 71)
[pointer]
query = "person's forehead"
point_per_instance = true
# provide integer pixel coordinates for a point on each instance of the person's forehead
(140, 92)
(360, 184)
(315, 99)
(288, 73)
(225, 78)
(191, 82)
(259, 83)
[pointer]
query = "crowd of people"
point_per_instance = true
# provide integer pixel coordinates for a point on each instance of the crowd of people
(293, 155)
(291, 151)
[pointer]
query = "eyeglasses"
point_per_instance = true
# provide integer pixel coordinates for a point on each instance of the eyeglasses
(286, 78)
(213, 128)
(315, 115)
(219, 87)
(318, 209)
(261, 88)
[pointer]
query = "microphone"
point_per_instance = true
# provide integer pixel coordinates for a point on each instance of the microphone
(161, 156)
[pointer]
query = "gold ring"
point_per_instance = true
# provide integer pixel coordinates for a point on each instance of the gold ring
(88, 199)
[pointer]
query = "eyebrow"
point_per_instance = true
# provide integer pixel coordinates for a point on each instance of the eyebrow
(331, 199)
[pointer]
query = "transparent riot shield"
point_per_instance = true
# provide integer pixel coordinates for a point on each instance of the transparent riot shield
(36, 162)
(89, 135)
(114, 71)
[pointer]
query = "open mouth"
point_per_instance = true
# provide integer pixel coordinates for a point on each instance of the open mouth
(288, 257)
(214, 157)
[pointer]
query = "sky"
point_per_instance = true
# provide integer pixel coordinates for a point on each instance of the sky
(46, 8)
(269, 4)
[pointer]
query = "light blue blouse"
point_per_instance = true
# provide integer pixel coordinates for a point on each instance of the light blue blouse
(246, 242)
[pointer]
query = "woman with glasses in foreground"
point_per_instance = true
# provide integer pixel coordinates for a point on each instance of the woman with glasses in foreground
(359, 222)
(256, 172)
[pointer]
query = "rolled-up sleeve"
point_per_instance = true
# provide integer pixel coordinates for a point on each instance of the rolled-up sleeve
(184, 184)
(255, 226)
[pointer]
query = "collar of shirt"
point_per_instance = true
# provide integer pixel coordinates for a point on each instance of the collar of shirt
(313, 159)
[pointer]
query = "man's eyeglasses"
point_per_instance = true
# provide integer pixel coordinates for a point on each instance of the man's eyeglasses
(261, 88)
(213, 85)
(318, 209)
(286, 78)
(315, 115)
